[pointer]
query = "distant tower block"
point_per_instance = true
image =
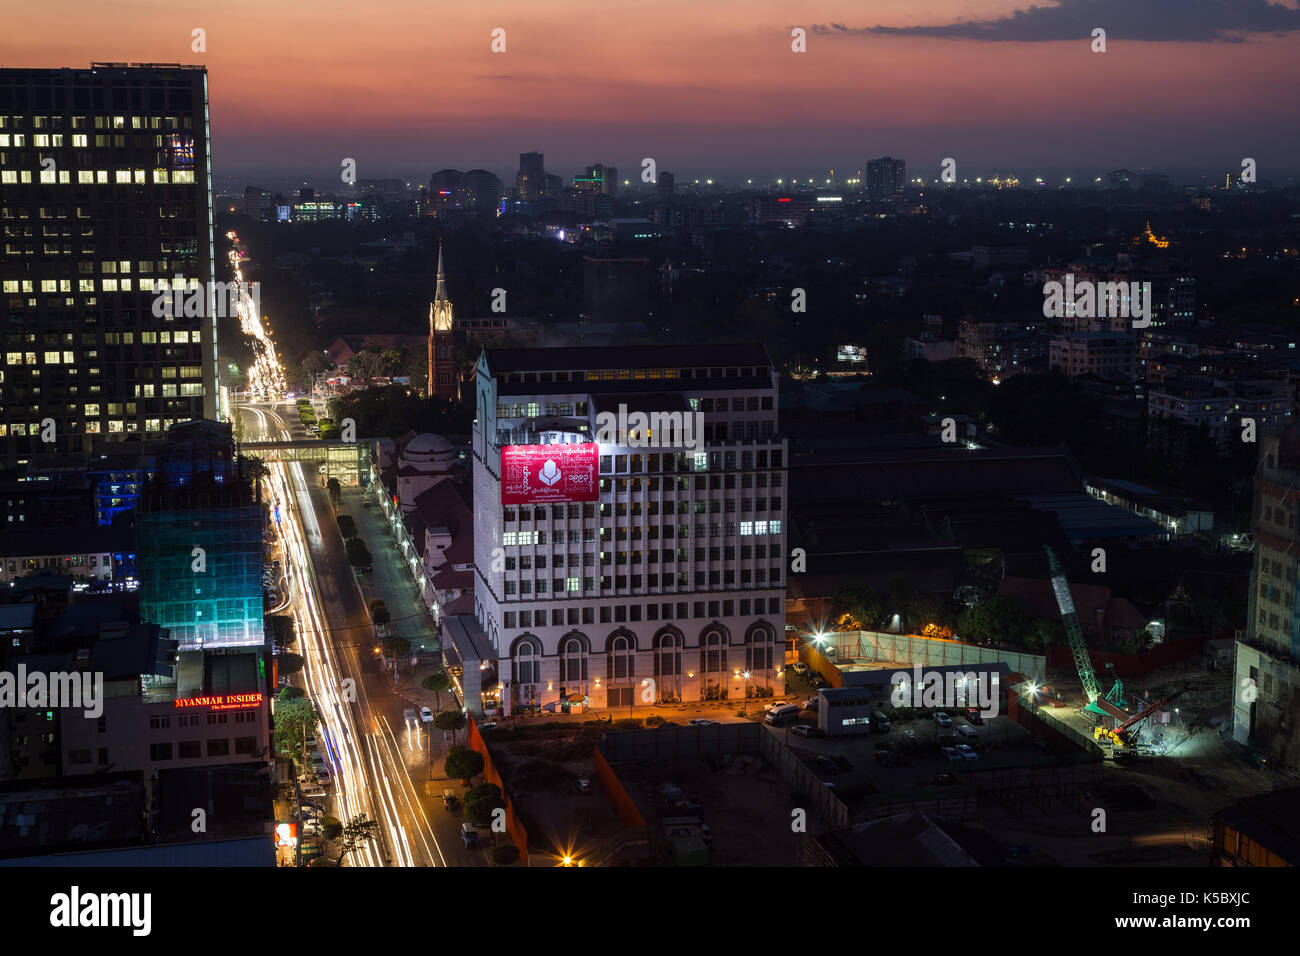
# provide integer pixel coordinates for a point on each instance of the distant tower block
(442, 345)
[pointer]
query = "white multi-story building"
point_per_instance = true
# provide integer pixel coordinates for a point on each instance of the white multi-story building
(664, 582)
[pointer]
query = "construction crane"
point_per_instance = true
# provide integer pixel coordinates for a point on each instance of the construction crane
(1074, 633)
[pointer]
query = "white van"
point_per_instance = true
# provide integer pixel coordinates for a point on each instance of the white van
(785, 712)
(968, 734)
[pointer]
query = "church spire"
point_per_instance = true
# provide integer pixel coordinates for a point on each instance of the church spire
(441, 294)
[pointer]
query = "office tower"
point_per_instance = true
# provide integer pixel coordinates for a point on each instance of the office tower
(479, 191)
(886, 178)
(530, 182)
(597, 178)
(620, 563)
(1268, 654)
(666, 186)
(105, 179)
(442, 343)
(442, 190)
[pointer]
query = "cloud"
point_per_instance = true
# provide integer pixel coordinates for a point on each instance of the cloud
(1189, 21)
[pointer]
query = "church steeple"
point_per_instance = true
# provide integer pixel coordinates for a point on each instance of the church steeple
(441, 294)
(442, 347)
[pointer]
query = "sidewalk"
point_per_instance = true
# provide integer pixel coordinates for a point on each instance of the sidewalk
(389, 580)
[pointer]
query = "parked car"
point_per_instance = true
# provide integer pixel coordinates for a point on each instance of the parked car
(313, 790)
(951, 753)
(449, 799)
(426, 715)
(469, 835)
(584, 785)
(819, 682)
(811, 703)
(801, 730)
(886, 758)
(488, 725)
(827, 764)
(972, 715)
(967, 752)
(942, 719)
(701, 722)
(799, 667)
(945, 779)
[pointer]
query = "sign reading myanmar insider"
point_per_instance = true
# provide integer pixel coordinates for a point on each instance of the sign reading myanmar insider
(534, 474)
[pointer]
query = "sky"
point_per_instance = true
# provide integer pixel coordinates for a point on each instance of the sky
(711, 88)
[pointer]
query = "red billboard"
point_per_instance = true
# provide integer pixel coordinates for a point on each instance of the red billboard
(535, 474)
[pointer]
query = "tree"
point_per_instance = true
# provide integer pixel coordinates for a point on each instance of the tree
(314, 364)
(463, 763)
(295, 720)
(357, 831)
(291, 693)
(347, 527)
(450, 721)
(437, 683)
(358, 554)
(857, 607)
(331, 827)
(391, 361)
(282, 629)
(396, 646)
(995, 619)
(254, 468)
(480, 812)
(335, 489)
(505, 854)
(290, 664)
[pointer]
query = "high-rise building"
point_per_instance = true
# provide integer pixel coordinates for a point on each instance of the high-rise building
(105, 200)
(886, 178)
(597, 178)
(530, 182)
(442, 190)
(666, 187)
(622, 561)
(1267, 670)
(442, 341)
(478, 191)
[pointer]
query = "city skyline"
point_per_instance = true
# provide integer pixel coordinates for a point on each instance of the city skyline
(726, 98)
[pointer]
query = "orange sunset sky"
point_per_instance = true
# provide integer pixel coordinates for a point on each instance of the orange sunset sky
(710, 87)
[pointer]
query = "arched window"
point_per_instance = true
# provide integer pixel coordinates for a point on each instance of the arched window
(713, 653)
(526, 661)
(759, 647)
(573, 658)
(668, 654)
(621, 655)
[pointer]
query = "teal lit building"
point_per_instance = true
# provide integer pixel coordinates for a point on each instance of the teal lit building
(200, 543)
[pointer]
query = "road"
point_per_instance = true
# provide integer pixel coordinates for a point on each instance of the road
(379, 764)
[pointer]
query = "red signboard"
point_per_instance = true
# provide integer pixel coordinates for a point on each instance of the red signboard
(223, 701)
(533, 474)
